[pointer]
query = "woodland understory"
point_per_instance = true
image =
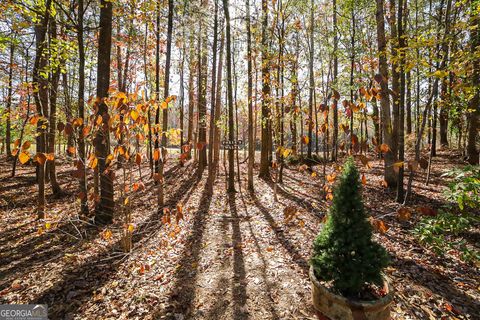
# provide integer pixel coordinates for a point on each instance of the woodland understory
(232, 256)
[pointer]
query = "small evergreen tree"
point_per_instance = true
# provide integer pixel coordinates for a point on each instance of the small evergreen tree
(344, 251)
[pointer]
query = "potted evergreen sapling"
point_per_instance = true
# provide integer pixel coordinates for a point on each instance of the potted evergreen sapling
(346, 266)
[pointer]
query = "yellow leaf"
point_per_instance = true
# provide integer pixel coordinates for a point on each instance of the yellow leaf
(93, 162)
(121, 95)
(130, 227)
(107, 234)
(134, 114)
(23, 157)
(48, 225)
(125, 202)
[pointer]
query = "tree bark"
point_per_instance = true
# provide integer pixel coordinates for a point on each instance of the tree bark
(266, 128)
(251, 142)
(41, 102)
(81, 110)
(311, 83)
(335, 84)
(105, 208)
(8, 139)
(389, 173)
(52, 126)
(191, 96)
(474, 105)
(202, 97)
(231, 133)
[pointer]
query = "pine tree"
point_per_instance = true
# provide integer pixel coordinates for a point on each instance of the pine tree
(344, 251)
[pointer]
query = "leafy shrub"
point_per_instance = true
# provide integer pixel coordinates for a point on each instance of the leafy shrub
(465, 187)
(344, 251)
(436, 233)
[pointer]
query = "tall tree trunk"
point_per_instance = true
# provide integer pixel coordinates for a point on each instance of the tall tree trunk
(191, 95)
(157, 87)
(166, 85)
(474, 104)
(8, 139)
(105, 208)
(395, 78)
(52, 126)
(218, 102)
(81, 110)
(336, 96)
(68, 110)
(202, 96)
(311, 84)
(149, 113)
(390, 177)
(251, 141)
(401, 124)
(41, 101)
(266, 128)
(211, 177)
(409, 102)
(352, 69)
(231, 133)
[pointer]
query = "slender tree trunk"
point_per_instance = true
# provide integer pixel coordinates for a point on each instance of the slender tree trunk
(202, 97)
(311, 83)
(474, 104)
(335, 84)
(149, 113)
(191, 95)
(166, 93)
(211, 176)
(81, 110)
(218, 102)
(41, 100)
(105, 208)
(55, 77)
(352, 69)
(409, 103)
(266, 128)
(390, 177)
(395, 78)
(401, 124)
(231, 133)
(251, 141)
(157, 89)
(8, 139)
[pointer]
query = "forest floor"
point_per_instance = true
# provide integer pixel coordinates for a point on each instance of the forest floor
(232, 256)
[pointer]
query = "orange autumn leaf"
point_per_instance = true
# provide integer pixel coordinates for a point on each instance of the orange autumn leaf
(40, 158)
(156, 154)
(404, 214)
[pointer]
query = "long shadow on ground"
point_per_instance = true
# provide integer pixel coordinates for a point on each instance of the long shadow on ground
(68, 294)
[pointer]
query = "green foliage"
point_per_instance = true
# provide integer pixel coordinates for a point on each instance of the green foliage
(344, 251)
(465, 187)
(436, 232)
